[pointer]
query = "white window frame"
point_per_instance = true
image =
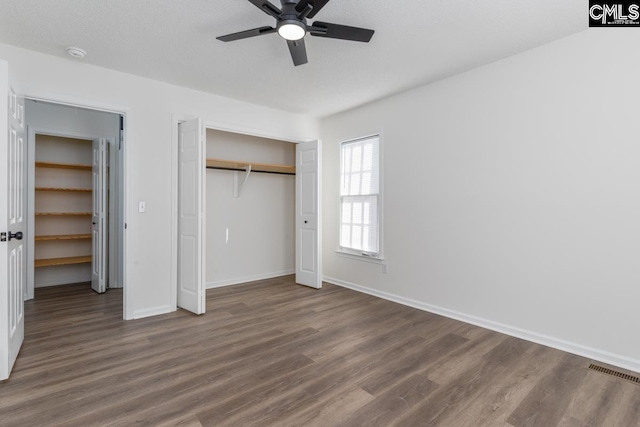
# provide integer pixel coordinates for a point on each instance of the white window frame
(355, 253)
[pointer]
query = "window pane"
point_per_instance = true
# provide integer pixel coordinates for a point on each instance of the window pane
(346, 212)
(346, 162)
(345, 236)
(356, 237)
(354, 187)
(356, 159)
(359, 223)
(357, 213)
(367, 157)
(365, 239)
(366, 218)
(372, 217)
(366, 183)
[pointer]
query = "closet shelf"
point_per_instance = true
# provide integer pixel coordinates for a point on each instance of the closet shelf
(52, 165)
(63, 213)
(255, 167)
(78, 190)
(48, 262)
(62, 237)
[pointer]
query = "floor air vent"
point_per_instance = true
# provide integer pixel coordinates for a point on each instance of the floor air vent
(621, 375)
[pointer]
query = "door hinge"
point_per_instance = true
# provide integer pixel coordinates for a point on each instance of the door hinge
(121, 132)
(3, 237)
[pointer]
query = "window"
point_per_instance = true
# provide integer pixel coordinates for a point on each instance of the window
(360, 197)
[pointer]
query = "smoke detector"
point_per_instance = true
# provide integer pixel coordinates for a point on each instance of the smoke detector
(76, 52)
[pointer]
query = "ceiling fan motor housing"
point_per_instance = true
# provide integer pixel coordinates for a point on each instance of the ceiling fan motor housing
(290, 15)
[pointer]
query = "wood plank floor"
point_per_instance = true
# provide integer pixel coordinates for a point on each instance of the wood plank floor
(272, 353)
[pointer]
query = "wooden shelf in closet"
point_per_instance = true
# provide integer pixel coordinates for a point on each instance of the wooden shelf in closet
(63, 237)
(49, 262)
(255, 167)
(63, 213)
(52, 165)
(77, 190)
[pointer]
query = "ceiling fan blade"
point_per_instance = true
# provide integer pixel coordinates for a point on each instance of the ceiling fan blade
(342, 32)
(298, 51)
(246, 34)
(267, 8)
(317, 5)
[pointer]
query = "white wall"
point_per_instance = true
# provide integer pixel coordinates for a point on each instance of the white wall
(512, 195)
(150, 159)
(250, 237)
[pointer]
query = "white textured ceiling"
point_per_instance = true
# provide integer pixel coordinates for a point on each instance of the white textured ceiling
(416, 42)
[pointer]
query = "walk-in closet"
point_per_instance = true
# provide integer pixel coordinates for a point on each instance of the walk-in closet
(63, 210)
(74, 197)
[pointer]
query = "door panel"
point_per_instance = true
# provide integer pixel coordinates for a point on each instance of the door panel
(308, 253)
(99, 217)
(191, 167)
(12, 223)
(308, 247)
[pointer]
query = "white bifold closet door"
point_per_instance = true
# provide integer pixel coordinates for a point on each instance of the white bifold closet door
(99, 217)
(191, 202)
(13, 194)
(308, 209)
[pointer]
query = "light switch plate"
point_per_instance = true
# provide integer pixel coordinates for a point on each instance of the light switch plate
(142, 207)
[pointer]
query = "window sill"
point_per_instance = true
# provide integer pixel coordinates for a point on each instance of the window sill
(356, 257)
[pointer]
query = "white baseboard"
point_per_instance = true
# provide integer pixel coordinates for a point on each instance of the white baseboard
(154, 311)
(570, 347)
(245, 279)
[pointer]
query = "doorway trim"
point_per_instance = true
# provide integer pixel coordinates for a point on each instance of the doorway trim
(71, 101)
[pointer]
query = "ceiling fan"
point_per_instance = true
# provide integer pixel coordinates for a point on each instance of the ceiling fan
(291, 25)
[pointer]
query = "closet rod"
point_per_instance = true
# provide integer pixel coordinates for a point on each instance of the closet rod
(252, 171)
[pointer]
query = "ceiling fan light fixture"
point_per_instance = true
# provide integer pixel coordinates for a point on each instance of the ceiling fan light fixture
(291, 30)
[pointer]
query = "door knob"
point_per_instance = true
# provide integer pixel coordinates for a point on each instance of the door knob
(17, 235)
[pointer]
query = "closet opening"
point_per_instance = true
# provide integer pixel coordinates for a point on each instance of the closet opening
(247, 208)
(75, 197)
(250, 208)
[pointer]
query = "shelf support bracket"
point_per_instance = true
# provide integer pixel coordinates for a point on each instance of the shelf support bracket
(237, 185)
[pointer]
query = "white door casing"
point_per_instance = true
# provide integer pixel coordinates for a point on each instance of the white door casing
(191, 193)
(12, 223)
(99, 217)
(308, 209)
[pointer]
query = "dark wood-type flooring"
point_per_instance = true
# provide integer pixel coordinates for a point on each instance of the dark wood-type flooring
(274, 353)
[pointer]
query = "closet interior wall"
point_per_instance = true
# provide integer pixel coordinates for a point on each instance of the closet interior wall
(251, 236)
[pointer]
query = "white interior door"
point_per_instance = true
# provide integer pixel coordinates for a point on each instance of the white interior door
(191, 251)
(308, 208)
(99, 217)
(12, 223)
